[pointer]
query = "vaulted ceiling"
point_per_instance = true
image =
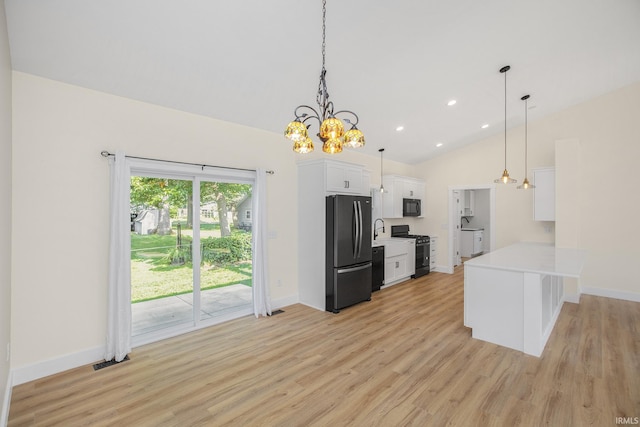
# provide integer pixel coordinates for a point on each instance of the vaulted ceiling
(394, 63)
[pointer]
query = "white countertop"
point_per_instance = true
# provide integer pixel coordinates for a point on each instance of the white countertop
(541, 258)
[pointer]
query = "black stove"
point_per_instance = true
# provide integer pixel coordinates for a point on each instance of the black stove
(423, 250)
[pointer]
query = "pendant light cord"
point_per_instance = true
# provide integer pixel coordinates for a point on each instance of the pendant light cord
(525, 136)
(505, 120)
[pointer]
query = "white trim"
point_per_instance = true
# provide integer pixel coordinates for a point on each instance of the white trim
(443, 269)
(612, 293)
(492, 217)
(70, 361)
(4, 418)
(283, 302)
(43, 369)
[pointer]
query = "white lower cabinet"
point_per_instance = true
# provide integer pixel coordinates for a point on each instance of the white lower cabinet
(433, 246)
(399, 260)
(471, 243)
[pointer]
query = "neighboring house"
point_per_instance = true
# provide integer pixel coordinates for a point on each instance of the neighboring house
(146, 222)
(244, 212)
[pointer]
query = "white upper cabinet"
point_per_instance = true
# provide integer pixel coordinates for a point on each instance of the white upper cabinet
(544, 194)
(345, 178)
(396, 188)
(469, 202)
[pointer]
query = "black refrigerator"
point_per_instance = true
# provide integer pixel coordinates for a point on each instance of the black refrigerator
(348, 251)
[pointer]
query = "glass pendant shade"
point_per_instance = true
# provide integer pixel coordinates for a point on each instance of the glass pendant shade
(303, 147)
(505, 178)
(296, 131)
(331, 128)
(332, 146)
(354, 138)
(525, 185)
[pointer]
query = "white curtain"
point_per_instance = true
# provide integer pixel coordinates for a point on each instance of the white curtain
(119, 299)
(261, 298)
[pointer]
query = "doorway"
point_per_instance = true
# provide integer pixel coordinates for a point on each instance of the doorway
(191, 252)
(481, 216)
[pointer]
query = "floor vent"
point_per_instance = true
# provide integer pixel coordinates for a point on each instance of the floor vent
(273, 313)
(109, 363)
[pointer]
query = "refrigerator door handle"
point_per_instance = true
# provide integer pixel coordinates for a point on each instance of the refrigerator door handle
(355, 229)
(352, 269)
(360, 222)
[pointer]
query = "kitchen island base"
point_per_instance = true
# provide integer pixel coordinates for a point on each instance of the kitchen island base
(514, 309)
(513, 296)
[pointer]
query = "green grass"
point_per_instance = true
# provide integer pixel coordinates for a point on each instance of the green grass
(152, 277)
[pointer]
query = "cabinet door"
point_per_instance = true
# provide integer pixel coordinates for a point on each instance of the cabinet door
(391, 198)
(469, 202)
(353, 176)
(343, 179)
(411, 259)
(433, 245)
(544, 194)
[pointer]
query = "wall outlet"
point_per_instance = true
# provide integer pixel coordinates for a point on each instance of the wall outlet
(279, 283)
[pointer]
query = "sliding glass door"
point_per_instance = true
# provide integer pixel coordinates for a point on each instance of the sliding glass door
(191, 252)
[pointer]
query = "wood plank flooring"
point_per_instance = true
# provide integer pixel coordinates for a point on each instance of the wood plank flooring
(403, 358)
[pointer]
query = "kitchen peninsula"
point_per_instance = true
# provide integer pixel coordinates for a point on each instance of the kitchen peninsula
(513, 296)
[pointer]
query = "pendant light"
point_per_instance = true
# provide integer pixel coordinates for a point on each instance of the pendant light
(381, 187)
(505, 179)
(525, 182)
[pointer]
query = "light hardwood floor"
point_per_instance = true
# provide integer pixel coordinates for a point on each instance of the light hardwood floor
(403, 358)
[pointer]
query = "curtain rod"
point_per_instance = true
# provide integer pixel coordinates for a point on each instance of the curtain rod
(105, 153)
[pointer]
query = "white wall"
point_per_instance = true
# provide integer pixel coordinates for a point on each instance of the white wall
(609, 138)
(60, 260)
(5, 203)
(60, 203)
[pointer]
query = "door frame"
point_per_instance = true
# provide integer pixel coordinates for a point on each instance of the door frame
(197, 174)
(453, 217)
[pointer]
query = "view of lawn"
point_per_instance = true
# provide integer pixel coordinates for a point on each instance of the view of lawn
(157, 277)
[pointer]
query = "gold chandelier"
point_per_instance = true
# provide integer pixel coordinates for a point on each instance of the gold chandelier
(331, 132)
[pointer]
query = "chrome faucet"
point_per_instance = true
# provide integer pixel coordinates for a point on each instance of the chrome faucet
(375, 230)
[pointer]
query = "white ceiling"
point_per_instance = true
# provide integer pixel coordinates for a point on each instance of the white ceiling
(393, 63)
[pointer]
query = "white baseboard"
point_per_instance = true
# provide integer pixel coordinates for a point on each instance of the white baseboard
(443, 269)
(283, 302)
(611, 293)
(4, 417)
(24, 374)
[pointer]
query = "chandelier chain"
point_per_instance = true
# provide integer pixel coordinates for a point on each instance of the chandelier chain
(324, 30)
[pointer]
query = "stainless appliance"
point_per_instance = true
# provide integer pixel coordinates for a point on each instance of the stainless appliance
(423, 250)
(377, 269)
(348, 251)
(411, 207)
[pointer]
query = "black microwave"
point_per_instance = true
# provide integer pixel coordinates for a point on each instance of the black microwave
(411, 207)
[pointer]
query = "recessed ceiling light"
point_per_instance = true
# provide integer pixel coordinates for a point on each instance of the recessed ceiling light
(439, 144)
(452, 102)
(484, 126)
(400, 128)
